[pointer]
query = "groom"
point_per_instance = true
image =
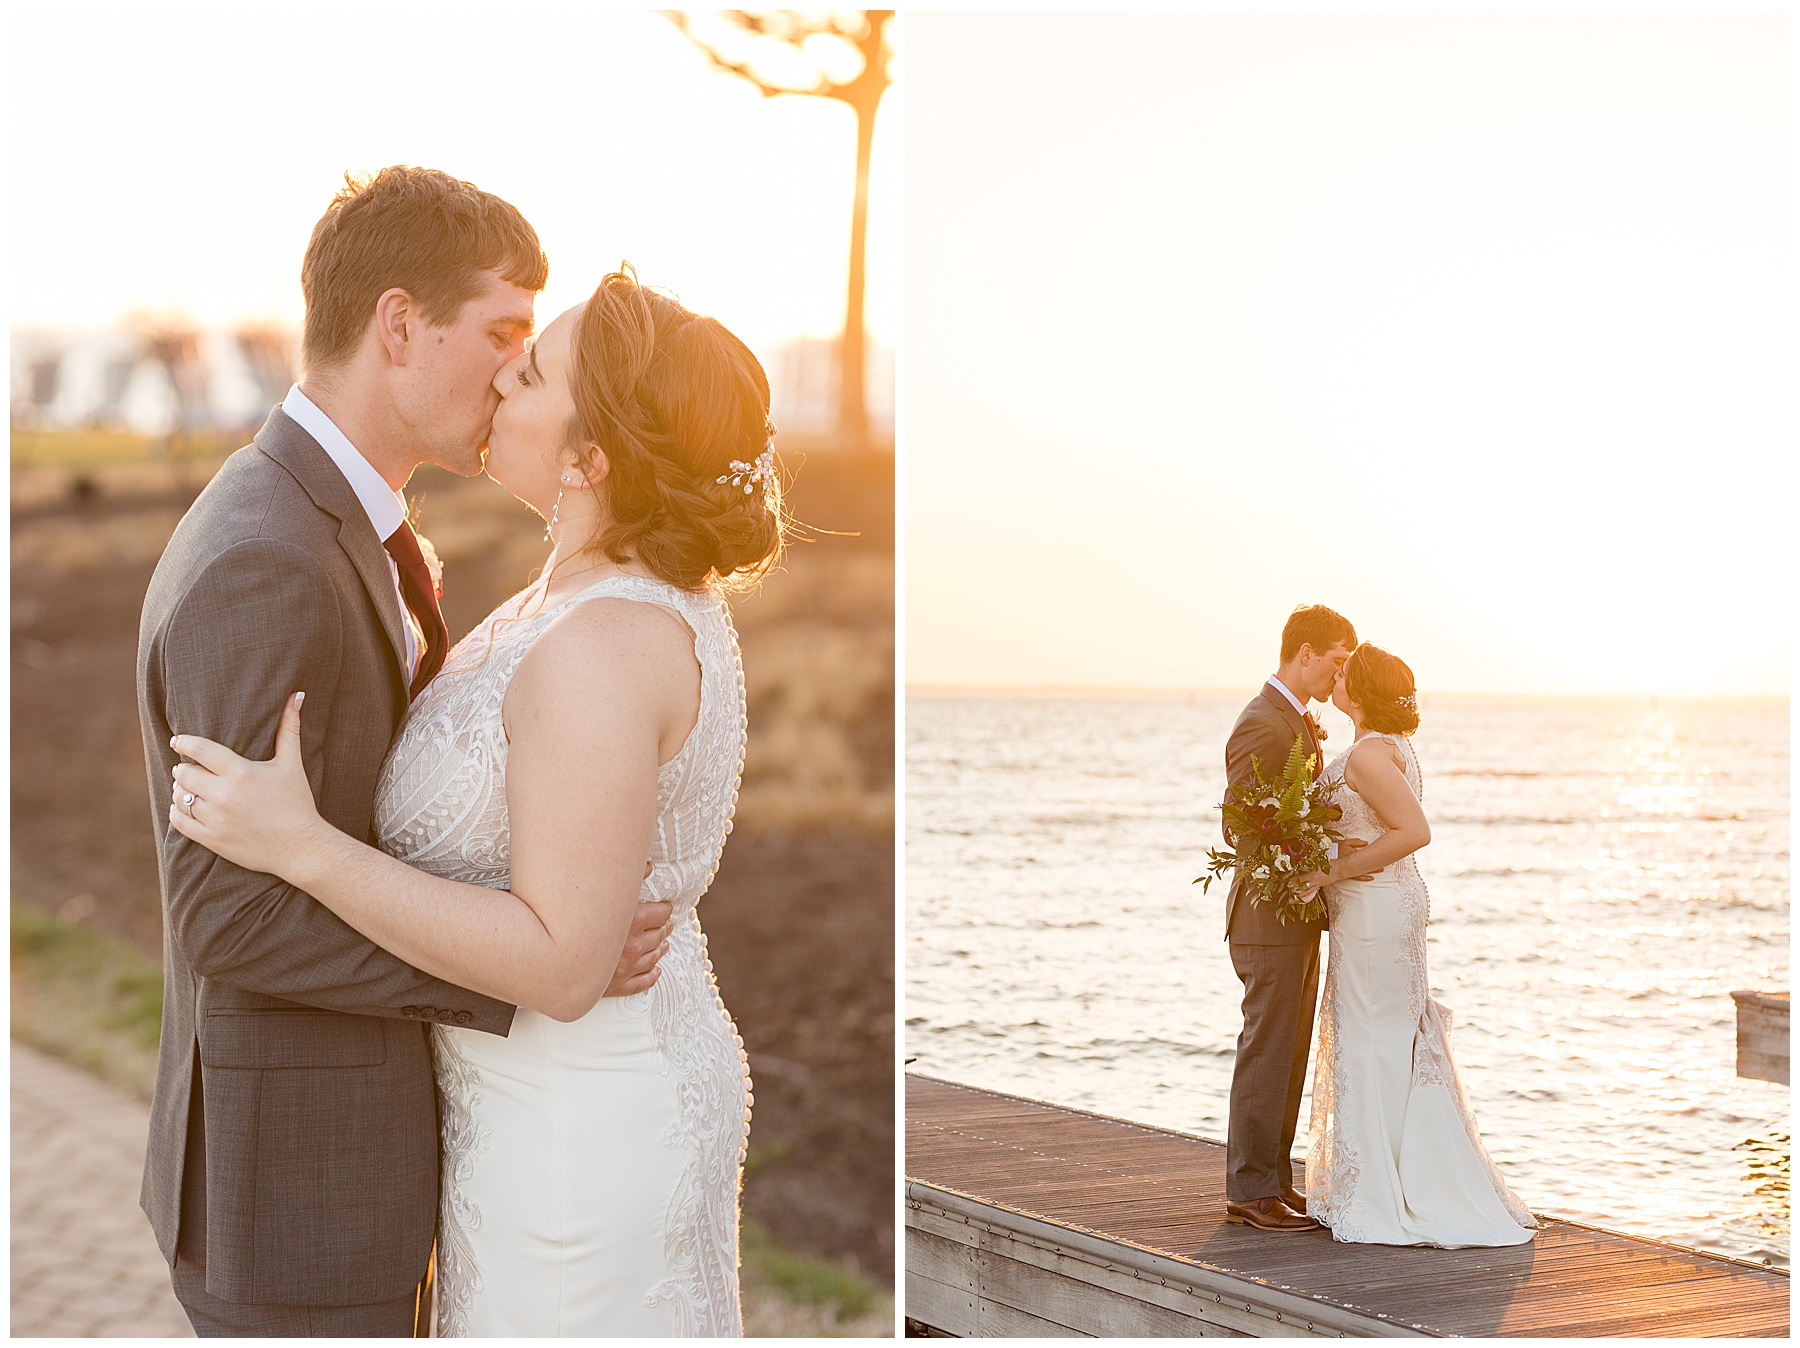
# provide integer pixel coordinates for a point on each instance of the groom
(291, 1175)
(1278, 965)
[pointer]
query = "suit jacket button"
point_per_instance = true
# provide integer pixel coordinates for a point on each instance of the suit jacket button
(429, 1012)
(447, 1016)
(463, 1017)
(409, 1010)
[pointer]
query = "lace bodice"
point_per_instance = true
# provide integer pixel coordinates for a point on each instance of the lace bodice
(441, 804)
(1360, 819)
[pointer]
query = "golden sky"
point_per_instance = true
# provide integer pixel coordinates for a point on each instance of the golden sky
(175, 157)
(1471, 325)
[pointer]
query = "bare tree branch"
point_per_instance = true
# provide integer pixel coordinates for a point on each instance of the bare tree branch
(742, 69)
(868, 38)
(793, 30)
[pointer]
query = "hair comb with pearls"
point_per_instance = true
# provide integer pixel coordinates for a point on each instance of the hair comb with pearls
(1410, 702)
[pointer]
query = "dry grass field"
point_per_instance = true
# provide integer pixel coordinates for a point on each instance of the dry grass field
(800, 916)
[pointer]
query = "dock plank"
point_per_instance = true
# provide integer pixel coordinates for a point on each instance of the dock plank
(1153, 1193)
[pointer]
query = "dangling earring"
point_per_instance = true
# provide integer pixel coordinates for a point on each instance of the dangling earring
(549, 529)
(567, 480)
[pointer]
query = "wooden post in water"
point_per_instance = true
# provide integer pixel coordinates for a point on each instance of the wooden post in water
(1762, 1035)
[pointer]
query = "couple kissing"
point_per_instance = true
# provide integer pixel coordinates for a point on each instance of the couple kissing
(1393, 1154)
(433, 969)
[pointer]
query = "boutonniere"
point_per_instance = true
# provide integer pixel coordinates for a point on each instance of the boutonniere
(432, 564)
(1317, 729)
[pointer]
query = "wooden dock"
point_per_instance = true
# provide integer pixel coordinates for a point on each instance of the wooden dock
(1031, 1219)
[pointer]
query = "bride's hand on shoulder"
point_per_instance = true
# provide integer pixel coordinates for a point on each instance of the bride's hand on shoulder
(258, 815)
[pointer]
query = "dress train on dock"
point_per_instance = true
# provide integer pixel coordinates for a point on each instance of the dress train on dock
(1394, 1156)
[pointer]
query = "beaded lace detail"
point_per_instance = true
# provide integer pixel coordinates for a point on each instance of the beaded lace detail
(1333, 1163)
(459, 1093)
(441, 807)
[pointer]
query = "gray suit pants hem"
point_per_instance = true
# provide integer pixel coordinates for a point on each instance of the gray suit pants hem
(216, 1319)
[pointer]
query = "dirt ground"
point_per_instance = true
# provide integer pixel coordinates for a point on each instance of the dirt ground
(800, 918)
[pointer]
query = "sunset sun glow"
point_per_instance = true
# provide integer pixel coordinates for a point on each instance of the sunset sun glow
(1468, 325)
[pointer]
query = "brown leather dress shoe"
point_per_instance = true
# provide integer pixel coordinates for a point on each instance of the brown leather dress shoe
(1269, 1214)
(1294, 1199)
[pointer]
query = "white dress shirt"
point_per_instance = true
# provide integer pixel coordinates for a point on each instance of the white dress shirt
(385, 507)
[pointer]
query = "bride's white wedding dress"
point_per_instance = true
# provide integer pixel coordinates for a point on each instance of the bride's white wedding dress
(1394, 1157)
(590, 1170)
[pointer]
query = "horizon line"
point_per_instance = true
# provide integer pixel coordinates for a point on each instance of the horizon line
(1169, 692)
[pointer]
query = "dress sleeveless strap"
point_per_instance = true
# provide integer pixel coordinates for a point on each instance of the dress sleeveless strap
(640, 589)
(625, 581)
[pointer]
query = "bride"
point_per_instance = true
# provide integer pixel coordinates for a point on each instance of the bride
(1394, 1157)
(592, 1158)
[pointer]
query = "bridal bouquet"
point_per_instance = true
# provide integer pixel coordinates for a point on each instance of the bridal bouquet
(1282, 828)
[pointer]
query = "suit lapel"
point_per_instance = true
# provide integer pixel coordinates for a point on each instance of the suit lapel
(357, 537)
(283, 440)
(1297, 722)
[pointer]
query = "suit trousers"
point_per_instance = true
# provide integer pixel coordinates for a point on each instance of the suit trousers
(216, 1319)
(1281, 991)
(405, 1317)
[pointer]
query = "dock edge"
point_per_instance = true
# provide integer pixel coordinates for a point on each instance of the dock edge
(975, 1268)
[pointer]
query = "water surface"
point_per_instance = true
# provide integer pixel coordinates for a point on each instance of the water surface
(1603, 874)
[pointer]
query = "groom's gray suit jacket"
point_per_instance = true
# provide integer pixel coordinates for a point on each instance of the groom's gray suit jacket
(1265, 731)
(318, 1116)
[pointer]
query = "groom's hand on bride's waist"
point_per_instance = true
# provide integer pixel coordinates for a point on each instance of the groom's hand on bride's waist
(1343, 867)
(645, 945)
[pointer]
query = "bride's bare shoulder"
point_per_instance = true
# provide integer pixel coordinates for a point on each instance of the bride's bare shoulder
(608, 642)
(611, 623)
(1370, 754)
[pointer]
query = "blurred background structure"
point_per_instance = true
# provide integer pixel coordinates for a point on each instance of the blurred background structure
(155, 320)
(163, 379)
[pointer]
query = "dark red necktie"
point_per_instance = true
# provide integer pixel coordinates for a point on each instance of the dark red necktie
(421, 597)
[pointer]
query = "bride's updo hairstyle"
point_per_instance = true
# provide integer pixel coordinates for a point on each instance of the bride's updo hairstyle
(673, 399)
(1377, 682)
